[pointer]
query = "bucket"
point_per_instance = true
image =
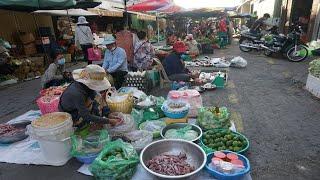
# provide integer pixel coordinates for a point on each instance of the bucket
(63, 131)
(56, 153)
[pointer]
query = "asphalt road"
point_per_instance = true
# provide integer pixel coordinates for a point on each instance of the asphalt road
(268, 103)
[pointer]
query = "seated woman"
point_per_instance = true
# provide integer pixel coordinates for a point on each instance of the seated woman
(143, 52)
(173, 64)
(192, 45)
(78, 99)
(54, 75)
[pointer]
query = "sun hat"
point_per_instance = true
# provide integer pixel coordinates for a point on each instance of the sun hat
(93, 76)
(82, 20)
(179, 47)
(109, 39)
(189, 37)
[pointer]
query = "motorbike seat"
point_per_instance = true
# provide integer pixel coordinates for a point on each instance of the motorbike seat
(252, 35)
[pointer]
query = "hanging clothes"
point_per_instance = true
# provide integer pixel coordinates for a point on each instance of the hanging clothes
(125, 41)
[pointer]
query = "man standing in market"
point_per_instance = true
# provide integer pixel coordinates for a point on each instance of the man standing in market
(115, 61)
(259, 24)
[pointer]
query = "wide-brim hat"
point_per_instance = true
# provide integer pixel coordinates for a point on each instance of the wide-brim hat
(179, 47)
(93, 76)
(82, 20)
(109, 39)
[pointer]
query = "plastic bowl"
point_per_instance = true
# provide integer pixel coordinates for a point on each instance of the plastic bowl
(177, 115)
(223, 176)
(182, 125)
(8, 139)
(237, 133)
(87, 159)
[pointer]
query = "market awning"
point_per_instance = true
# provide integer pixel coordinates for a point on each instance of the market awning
(142, 16)
(69, 12)
(33, 5)
(107, 12)
(149, 5)
(171, 8)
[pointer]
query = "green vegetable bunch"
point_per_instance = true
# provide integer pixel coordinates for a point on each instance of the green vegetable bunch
(209, 119)
(314, 68)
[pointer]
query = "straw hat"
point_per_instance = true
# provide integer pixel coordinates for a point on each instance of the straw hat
(179, 47)
(82, 20)
(92, 76)
(109, 39)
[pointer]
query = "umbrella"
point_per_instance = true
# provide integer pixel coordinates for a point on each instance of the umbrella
(149, 5)
(171, 8)
(33, 5)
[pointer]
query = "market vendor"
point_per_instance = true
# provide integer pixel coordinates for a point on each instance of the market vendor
(192, 45)
(259, 24)
(115, 61)
(143, 52)
(79, 98)
(54, 75)
(174, 65)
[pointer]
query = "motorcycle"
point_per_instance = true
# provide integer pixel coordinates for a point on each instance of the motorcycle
(290, 46)
(254, 41)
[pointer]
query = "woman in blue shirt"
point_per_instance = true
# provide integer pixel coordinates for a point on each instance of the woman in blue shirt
(115, 61)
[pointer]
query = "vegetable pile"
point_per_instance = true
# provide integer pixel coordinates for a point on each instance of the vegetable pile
(185, 133)
(223, 140)
(314, 68)
(170, 164)
(213, 117)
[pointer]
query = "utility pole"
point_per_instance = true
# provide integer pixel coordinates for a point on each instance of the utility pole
(126, 13)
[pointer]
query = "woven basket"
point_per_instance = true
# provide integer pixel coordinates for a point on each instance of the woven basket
(124, 106)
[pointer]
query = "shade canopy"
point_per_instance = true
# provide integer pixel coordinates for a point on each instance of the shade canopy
(149, 5)
(33, 5)
(69, 12)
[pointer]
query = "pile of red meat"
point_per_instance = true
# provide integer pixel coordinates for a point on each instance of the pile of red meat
(170, 164)
(9, 130)
(52, 91)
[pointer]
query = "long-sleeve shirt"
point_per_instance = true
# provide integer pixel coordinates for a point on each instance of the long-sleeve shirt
(83, 35)
(73, 101)
(115, 60)
(53, 72)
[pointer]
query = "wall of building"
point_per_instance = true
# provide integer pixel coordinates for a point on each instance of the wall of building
(12, 22)
(263, 6)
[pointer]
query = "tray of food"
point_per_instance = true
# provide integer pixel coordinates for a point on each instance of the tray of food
(10, 133)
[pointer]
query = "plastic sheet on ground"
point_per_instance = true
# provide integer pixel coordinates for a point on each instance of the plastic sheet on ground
(26, 151)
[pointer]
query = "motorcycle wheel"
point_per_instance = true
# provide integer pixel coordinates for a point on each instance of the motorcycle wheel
(267, 53)
(245, 41)
(297, 55)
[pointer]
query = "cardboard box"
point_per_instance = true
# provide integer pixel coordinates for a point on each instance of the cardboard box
(30, 49)
(67, 57)
(27, 38)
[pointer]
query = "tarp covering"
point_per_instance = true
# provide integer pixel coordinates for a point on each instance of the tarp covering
(32, 5)
(69, 12)
(142, 16)
(149, 5)
(171, 8)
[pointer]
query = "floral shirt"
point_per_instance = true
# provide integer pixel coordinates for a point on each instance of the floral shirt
(143, 55)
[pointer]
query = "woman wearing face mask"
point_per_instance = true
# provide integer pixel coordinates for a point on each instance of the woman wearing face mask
(115, 61)
(54, 74)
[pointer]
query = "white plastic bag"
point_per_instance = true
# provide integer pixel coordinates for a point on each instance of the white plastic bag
(128, 125)
(238, 62)
(140, 138)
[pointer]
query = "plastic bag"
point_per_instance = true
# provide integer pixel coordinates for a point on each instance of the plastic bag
(139, 139)
(143, 115)
(185, 133)
(153, 126)
(118, 160)
(93, 143)
(127, 126)
(209, 120)
(238, 62)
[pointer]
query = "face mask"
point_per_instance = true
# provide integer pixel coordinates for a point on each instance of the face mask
(62, 61)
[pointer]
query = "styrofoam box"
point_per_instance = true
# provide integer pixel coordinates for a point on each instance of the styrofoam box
(313, 85)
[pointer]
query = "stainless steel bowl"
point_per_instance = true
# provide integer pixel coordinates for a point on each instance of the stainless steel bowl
(182, 125)
(196, 156)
